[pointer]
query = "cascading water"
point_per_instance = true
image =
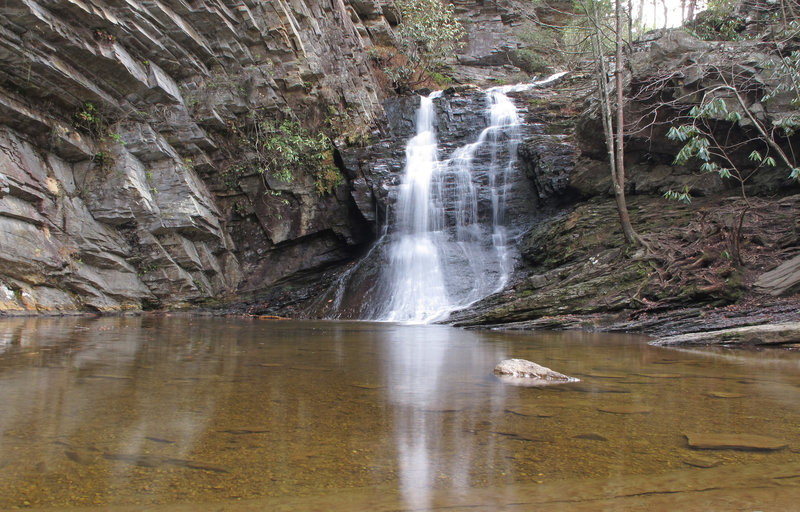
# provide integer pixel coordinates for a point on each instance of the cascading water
(418, 291)
(446, 246)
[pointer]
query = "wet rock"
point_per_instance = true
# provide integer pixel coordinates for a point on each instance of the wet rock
(768, 334)
(521, 372)
(743, 442)
(591, 437)
(548, 161)
(626, 409)
(700, 462)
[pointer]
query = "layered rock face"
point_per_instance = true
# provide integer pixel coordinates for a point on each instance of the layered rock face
(121, 180)
(114, 119)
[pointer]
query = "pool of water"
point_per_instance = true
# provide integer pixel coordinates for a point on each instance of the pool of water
(195, 413)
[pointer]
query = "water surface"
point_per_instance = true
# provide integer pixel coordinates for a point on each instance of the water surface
(193, 413)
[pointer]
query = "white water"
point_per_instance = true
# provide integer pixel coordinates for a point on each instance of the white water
(418, 292)
(443, 255)
(446, 246)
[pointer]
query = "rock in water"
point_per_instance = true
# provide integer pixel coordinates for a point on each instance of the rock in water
(743, 442)
(521, 372)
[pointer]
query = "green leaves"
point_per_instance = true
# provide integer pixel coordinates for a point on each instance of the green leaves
(428, 35)
(755, 156)
(285, 148)
(679, 133)
(696, 144)
(683, 196)
(788, 124)
(430, 26)
(734, 117)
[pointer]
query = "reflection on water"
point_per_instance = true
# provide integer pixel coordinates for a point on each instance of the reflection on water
(292, 415)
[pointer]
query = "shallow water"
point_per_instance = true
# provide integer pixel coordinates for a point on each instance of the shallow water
(195, 413)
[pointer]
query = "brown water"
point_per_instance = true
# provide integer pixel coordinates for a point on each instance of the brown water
(193, 413)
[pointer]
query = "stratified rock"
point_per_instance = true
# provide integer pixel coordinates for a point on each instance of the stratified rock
(768, 334)
(521, 372)
(112, 145)
(548, 163)
(744, 442)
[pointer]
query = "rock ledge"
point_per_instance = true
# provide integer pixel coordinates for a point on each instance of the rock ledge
(768, 334)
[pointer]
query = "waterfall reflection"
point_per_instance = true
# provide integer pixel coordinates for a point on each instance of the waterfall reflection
(200, 414)
(430, 381)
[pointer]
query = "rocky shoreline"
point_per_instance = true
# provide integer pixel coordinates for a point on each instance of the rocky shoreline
(765, 325)
(588, 282)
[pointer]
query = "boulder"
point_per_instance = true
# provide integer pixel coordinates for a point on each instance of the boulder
(521, 372)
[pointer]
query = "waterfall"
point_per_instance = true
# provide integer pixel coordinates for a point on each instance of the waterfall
(443, 255)
(417, 287)
(446, 244)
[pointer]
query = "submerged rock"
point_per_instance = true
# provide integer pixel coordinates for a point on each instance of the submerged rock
(700, 462)
(626, 409)
(591, 436)
(521, 372)
(743, 442)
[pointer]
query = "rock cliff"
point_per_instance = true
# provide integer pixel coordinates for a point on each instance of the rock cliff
(115, 117)
(128, 179)
(122, 182)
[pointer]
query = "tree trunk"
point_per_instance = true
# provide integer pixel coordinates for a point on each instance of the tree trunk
(619, 147)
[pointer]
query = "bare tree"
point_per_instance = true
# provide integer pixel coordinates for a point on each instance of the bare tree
(613, 125)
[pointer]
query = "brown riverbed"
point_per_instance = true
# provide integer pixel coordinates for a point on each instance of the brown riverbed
(194, 413)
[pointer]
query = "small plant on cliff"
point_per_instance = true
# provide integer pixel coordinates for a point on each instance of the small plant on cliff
(103, 35)
(89, 120)
(283, 148)
(428, 35)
